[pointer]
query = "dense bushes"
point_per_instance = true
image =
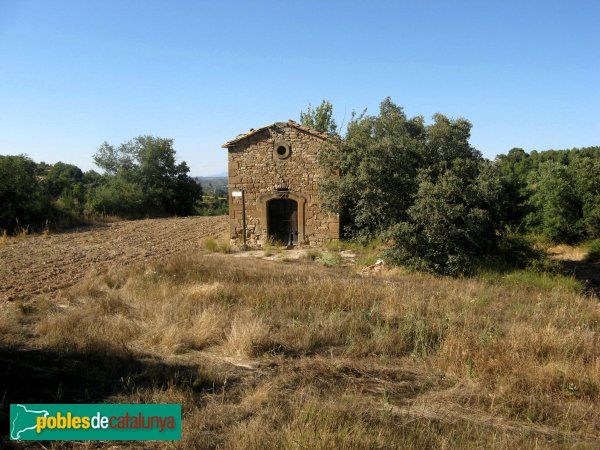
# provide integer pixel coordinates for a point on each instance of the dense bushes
(555, 193)
(379, 159)
(452, 221)
(21, 196)
(141, 179)
(442, 206)
(423, 186)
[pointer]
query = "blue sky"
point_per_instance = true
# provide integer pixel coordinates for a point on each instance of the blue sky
(76, 73)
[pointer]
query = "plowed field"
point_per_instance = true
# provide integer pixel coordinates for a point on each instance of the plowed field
(38, 264)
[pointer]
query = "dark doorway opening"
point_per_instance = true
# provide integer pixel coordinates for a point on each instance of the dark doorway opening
(283, 221)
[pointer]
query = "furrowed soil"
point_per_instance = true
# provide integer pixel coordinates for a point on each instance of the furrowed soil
(33, 265)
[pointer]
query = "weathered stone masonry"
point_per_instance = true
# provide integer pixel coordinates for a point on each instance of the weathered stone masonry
(276, 167)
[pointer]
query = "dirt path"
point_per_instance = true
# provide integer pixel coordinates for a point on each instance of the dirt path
(38, 264)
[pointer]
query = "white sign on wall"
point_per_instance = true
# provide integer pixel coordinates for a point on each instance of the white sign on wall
(236, 193)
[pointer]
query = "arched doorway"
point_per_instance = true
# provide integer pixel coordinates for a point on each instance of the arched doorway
(283, 221)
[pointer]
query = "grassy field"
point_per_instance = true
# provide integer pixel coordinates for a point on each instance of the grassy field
(295, 354)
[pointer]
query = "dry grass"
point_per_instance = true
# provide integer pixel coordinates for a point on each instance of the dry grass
(217, 245)
(566, 252)
(248, 336)
(299, 356)
(10, 317)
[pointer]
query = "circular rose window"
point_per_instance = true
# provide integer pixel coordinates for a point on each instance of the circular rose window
(282, 149)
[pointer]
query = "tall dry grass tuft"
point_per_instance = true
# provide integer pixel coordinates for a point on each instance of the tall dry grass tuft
(220, 246)
(207, 328)
(248, 336)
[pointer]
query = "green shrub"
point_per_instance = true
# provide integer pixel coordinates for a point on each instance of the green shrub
(329, 259)
(211, 245)
(215, 246)
(452, 221)
(142, 179)
(212, 206)
(367, 260)
(21, 197)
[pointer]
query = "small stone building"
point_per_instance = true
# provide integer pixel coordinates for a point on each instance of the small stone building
(276, 168)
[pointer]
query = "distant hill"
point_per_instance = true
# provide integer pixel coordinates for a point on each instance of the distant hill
(217, 175)
(213, 186)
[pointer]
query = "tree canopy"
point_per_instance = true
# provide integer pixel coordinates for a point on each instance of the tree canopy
(143, 178)
(441, 204)
(140, 178)
(379, 160)
(320, 118)
(20, 193)
(555, 193)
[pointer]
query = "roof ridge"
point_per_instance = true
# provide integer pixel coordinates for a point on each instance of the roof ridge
(290, 122)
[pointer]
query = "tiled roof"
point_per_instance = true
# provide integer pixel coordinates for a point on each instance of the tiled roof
(291, 123)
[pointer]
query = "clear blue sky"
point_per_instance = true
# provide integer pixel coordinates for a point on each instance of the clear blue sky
(76, 73)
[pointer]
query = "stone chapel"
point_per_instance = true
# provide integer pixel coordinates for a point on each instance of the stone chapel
(274, 171)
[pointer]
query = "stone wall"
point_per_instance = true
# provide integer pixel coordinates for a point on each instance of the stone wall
(256, 168)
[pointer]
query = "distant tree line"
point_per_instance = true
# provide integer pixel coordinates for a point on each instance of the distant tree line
(554, 193)
(140, 178)
(214, 201)
(442, 205)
